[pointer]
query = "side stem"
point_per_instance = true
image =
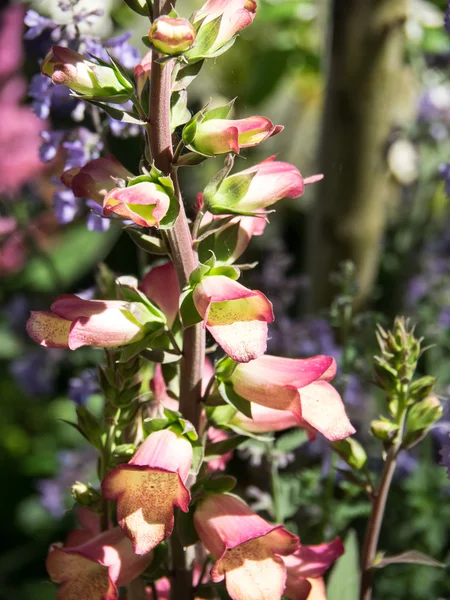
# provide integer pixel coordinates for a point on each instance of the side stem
(185, 260)
(379, 506)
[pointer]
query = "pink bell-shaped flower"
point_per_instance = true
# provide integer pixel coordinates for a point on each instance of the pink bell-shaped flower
(96, 178)
(306, 567)
(145, 203)
(235, 316)
(247, 549)
(148, 488)
(75, 322)
(96, 568)
(299, 386)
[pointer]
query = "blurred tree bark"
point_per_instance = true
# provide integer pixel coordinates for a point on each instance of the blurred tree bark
(365, 98)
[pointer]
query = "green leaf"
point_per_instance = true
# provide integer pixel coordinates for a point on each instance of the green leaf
(197, 457)
(218, 449)
(185, 527)
(291, 440)
(186, 76)
(138, 6)
(89, 426)
(344, 578)
(226, 271)
(229, 395)
(161, 355)
(124, 116)
(409, 557)
(220, 485)
(198, 274)
(148, 243)
(189, 132)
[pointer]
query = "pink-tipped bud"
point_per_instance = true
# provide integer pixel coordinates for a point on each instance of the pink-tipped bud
(171, 35)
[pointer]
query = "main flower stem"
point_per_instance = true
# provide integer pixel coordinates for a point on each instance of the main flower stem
(185, 260)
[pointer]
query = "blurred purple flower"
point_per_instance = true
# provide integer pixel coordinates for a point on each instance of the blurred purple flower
(50, 145)
(37, 24)
(81, 388)
(36, 372)
(66, 206)
(445, 458)
(73, 465)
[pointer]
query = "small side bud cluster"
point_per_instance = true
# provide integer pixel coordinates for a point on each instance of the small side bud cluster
(414, 408)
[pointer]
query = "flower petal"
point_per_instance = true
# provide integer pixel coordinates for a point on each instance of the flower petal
(241, 341)
(48, 329)
(146, 498)
(323, 409)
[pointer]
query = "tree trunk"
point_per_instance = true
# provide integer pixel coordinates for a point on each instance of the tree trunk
(365, 99)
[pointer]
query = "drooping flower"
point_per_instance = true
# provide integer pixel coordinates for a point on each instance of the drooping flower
(75, 322)
(85, 77)
(299, 386)
(306, 567)
(214, 136)
(217, 24)
(171, 35)
(160, 284)
(95, 568)
(235, 316)
(145, 203)
(249, 191)
(96, 178)
(148, 488)
(265, 420)
(247, 549)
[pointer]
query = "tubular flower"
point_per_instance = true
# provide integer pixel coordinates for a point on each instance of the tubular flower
(148, 488)
(248, 549)
(96, 568)
(256, 188)
(221, 136)
(229, 17)
(235, 316)
(85, 77)
(145, 203)
(299, 386)
(306, 567)
(160, 284)
(171, 35)
(75, 322)
(96, 178)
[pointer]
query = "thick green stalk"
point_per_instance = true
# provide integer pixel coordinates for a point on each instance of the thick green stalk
(185, 261)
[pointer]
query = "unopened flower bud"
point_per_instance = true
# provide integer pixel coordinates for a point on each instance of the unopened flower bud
(85, 495)
(421, 418)
(86, 77)
(171, 35)
(384, 430)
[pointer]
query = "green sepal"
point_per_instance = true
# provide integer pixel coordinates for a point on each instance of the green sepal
(190, 131)
(148, 243)
(225, 368)
(421, 388)
(197, 456)
(163, 356)
(421, 417)
(191, 159)
(189, 314)
(179, 113)
(197, 274)
(227, 392)
(206, 36)
(351, 452)
(214, 227)
(127, 396)
(218, 179)
(133, 294)
(221, 112)
(220, 415)
(235, 188)
(225, 271)
(138, 6)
